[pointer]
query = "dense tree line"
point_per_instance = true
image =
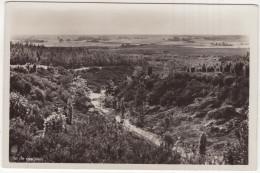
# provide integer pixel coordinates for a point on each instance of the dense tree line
(67, 57)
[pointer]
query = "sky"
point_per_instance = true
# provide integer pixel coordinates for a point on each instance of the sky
(101, 18)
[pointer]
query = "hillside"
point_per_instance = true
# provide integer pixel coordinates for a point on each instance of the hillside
(194, 111)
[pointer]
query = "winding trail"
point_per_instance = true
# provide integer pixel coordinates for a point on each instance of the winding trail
(96, 100)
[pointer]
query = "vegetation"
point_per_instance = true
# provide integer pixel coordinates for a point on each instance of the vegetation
(199, 113)
(67, 57)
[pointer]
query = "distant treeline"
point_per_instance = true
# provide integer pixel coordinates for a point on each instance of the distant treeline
(68, 57)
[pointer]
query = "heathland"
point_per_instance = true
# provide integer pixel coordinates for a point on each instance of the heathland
(129, 99)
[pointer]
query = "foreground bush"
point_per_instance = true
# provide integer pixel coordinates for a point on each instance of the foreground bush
(94, 139)
(237, 154)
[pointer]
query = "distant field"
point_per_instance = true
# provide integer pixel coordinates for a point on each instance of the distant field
(182, 51)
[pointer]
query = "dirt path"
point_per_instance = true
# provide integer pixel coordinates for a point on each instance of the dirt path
(96, 100)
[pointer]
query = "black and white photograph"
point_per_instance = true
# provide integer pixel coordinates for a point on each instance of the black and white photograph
(130, 84)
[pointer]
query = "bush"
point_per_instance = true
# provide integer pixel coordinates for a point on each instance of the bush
(19, 133)
(55, 123)
(208, 79)
(34, 117)
(18, 106)
(168, 139)
(228, 80)
(65, 80)
(202, 144)
(82, 103)
(150, 70)
(50, 69)
(40, 95)
(37, 81)
(238, 154)
(50, 95)
(185, 98)
(19, 85)
(238, 68)
(181, 75)
(167, 98)
(65, 95)
(61, 70)
(217, 80)
(43, 71)
(246, 70)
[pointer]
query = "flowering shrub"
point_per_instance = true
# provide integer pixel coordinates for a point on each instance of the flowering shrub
(18, 105)
(55, 123)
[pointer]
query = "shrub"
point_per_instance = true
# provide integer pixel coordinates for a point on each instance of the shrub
(49, 95)
(202, 144)
(65, 80)
(61, 70)
(50, 69)
(19, 133)
(34, 117)
(46, 111)
(228, 80)
(37, 81)
(181, 75)
(27, 87)
(140, 95)
(150, 70)
(167, 98)
(208, 79)
(55, 123)
(20, 85)
(14, 85)
(185, 98)
(217, 80)
(43, 71)
(227, 68)
(203, 68)
(168, 139)
(69, 111)
(18, 106)
(238, 68)
(65, 95)
(40, 95)
(82, 103)
(138, 71)
(149, 84)
(246, 70)
(238, 154)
